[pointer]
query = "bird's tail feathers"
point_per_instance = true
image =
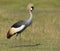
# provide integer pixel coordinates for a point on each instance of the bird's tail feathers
(10, 33)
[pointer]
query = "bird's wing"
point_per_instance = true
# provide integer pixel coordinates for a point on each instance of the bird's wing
(18, 24)
(19, 28)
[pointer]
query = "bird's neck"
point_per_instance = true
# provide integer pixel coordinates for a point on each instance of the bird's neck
(30, 18)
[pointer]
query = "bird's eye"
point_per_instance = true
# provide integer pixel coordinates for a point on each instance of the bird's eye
(32, 7)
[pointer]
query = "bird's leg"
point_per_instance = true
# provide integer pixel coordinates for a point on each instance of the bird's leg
(15, 42)
(20, 36)
(16, 36)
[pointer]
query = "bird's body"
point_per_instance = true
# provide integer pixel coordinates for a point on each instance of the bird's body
(20, 26)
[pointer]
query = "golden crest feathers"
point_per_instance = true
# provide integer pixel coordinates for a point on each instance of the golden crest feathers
(30, 5)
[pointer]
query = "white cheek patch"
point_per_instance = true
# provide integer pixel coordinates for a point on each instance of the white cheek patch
(19, 28)
(30, 8)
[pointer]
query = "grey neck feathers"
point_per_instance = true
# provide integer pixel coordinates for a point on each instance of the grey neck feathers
(30, 18)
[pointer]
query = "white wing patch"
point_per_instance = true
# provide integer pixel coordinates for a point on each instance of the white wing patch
(19, 28)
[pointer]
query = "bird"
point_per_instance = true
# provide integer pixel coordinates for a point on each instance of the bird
(20, 26)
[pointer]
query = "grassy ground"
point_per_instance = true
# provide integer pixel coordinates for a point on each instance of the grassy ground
(45, 32)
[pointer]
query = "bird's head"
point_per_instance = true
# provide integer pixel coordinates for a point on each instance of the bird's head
(30, 7)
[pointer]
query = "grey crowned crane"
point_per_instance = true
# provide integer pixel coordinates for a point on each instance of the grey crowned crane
(20, 26)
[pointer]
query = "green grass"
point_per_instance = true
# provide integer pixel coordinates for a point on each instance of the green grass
(45, 29)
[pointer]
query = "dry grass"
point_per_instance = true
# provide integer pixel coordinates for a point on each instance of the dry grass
(45, 30)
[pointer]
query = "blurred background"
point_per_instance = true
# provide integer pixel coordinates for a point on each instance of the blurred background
(45, 29)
